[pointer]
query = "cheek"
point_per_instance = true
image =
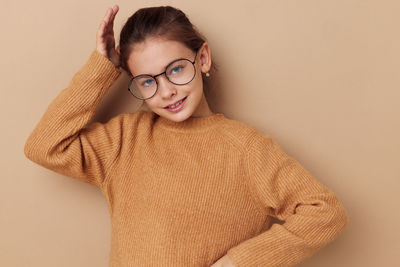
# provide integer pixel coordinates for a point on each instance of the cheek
(152, 102)
(197, 84)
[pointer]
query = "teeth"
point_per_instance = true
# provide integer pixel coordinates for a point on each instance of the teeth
(172, 106)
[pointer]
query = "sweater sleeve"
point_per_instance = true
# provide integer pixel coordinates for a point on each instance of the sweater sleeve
(63, 142)
(312, 214)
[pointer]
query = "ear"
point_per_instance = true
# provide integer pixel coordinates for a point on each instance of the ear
(205, 57)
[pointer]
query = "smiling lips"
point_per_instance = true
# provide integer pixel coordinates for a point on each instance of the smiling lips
(175, 104)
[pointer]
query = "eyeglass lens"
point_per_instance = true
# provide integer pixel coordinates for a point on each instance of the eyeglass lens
(179, 72)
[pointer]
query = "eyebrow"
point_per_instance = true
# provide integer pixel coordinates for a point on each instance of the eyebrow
(164, 68)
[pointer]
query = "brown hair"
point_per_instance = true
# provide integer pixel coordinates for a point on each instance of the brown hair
(164, 21)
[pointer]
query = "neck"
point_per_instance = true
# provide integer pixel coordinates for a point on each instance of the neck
(203, 110)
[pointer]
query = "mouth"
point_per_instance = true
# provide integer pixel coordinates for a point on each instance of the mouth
(177, 103)
(177, 106)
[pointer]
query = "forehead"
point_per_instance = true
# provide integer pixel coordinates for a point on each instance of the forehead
(154, 54)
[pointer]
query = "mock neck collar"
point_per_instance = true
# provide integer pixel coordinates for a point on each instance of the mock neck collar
(191, 124)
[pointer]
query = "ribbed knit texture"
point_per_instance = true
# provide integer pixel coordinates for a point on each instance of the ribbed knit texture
(185, 193)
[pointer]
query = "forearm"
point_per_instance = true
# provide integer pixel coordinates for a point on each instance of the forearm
(311, 228)
(313, 215)
(54, 143)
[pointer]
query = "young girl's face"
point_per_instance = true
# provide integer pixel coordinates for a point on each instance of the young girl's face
(152, 56)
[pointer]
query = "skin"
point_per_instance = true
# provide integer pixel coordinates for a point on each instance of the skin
(105, 41)
(151, 57)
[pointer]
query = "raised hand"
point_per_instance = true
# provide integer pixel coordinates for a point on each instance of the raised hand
(105, 41)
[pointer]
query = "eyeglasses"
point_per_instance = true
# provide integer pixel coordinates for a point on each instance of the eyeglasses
(179, 72)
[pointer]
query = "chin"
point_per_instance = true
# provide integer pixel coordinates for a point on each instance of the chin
(178, 117)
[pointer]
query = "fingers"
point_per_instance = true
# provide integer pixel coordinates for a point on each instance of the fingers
(100, 32)
(114, 13)
(110, 15)
(103, 24)
(105, 32)
(109, 19)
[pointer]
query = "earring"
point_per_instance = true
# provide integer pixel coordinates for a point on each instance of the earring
(207, 74)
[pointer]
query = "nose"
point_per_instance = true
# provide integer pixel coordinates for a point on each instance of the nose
(165, 88)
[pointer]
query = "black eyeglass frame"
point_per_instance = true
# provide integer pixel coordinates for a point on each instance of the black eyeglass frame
(164, 72)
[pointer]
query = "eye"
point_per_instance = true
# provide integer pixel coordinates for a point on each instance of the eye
(147, 83)
(176, 70)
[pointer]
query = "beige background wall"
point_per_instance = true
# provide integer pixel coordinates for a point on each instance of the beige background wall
(321, 77)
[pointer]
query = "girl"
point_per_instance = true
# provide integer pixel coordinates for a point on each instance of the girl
(185, 186)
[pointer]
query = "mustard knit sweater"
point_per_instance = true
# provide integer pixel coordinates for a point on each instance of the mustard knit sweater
(185, 193)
